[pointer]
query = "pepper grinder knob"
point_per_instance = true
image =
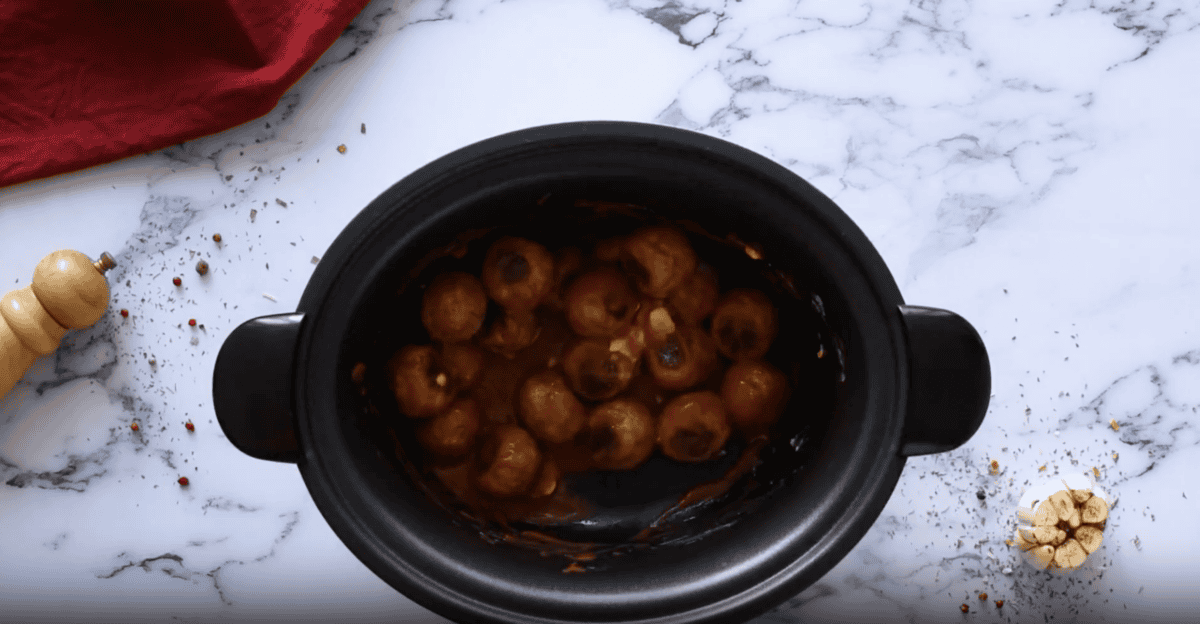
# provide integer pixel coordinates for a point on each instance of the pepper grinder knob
(69, 291)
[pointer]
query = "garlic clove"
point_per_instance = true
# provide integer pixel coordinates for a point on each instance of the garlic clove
(1063, 504)
(1089, 537)
(1095, 510)
(1070, 555)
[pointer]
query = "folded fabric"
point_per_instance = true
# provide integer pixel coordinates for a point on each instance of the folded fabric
(89, 82)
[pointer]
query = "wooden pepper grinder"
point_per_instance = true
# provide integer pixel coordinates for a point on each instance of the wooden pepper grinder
(68, 292)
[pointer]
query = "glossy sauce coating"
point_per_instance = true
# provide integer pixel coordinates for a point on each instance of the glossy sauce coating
(693, 427)
(754, 393)
(744, 324)
(621, 433)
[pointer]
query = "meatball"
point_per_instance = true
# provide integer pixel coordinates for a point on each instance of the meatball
(518, 273)
(511, 333)
(567, 262)
(609, 249)
(744, 324)
(547, 481)
(453, 308)
(693, 427)
(511, 461)
(600, 304)
(696, 297)
(754, 394)
(549, 409)
(683, 359)
(620, 434)
(421, 385)
(659, 259)
(463, 363)
(451, 433)
(594, 371)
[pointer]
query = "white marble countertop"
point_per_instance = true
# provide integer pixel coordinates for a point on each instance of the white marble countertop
(1027, 164)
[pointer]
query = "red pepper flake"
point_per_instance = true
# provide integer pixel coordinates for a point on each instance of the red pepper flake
(192, 322)
(134, 426)
(965, 608)
(983, 596)
(125, 313)
(999, 603)
(191, 427)
(183, 480)
(216, 238)
(342, 148)
(177, 281)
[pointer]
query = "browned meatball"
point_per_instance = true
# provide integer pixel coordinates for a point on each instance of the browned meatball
(696, 297)
(596, 372)
(547, 481)
(518, 273)
(683, 359)
(621, 434)
(451, 433)
(454, 306)
(659, 259)
(693, 427)
(600, 303)
(421, 385)
(609, 249)
(463, 363)
(744, 324)
(511, 461)
(754, 394)
(549, 409)
(511, 333)
(567, 263)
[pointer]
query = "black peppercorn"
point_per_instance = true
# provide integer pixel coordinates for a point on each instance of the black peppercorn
(980, 495)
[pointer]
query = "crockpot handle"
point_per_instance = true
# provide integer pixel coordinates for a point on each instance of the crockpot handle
(950, 381)
(252, 387)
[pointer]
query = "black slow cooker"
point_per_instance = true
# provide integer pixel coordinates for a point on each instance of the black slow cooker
(905, 381)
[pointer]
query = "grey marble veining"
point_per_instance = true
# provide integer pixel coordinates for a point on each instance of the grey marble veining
(1027, 164)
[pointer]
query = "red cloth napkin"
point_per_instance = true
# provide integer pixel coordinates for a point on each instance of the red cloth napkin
(89, 82)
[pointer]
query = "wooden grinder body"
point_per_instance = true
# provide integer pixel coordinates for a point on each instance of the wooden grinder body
(69, 291)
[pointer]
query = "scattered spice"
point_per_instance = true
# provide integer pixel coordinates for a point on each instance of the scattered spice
(202, 267)
(177, 281)
(342, 148)
(216, 238)
(999, 603)
(1113, 423)
(192, 322)
(364, 128)
(183, 481)
(1114, 456)
(995, 467)
(983, 596)
(965, 608)
(190, 426)
(125, 313)
(153, 362)
(1042, 469)
(1096, 472)
(134, 426)
(269, 296)
(981, 494)
(281, 202)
